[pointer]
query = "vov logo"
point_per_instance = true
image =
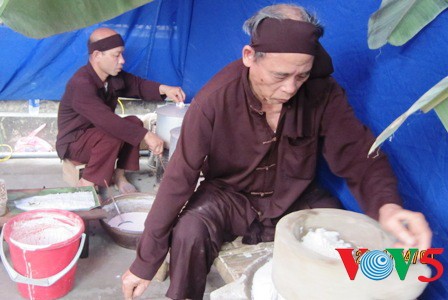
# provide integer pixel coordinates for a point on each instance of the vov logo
(378, 265)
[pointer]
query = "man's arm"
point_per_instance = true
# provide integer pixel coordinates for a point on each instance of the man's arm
(177, 186)
(345, 146)
(90, 106)
(151, 90)
(370, 179)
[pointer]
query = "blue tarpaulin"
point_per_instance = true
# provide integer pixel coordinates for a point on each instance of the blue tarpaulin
(184, 42)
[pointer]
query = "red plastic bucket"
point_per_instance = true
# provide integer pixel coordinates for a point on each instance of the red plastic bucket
(44, 246)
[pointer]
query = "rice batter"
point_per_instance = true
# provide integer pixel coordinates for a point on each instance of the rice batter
(137, 221)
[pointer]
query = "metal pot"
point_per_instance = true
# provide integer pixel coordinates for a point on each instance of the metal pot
(168, 117)
(174, 136)
(136, 202)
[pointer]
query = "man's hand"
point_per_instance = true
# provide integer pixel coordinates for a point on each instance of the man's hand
(172, 92)
(133, 286)
(155, 144)
(410, 228)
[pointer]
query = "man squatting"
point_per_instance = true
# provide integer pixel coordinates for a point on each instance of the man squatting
(90, 132)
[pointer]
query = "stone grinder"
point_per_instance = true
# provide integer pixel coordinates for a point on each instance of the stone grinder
(301, 273)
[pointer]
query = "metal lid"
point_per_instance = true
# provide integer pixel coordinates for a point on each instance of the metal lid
(171, 110)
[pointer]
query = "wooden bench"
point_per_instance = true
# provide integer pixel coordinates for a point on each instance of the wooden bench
(236, 264)
(72, 171)
(235, 257)
(232, 261)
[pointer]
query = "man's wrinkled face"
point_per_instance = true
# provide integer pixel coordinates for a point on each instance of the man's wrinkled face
(111, 61)
(276, 77)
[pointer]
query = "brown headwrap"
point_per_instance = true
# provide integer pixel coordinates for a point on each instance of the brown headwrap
(291, 36)
(110, 42)
(285, 36)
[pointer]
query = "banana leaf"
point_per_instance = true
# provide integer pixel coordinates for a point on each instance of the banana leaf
(435, 98)
(397, 21)
(43, 18)
(442, 113)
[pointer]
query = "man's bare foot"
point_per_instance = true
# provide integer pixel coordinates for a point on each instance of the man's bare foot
(84, 182)
(126, 188)
(123, 185)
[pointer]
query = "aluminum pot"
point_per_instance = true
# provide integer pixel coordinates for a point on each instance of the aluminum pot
(136, 202)
(174, 136)
(168, 117)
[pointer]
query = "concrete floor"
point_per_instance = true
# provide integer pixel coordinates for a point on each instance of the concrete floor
(98, 275)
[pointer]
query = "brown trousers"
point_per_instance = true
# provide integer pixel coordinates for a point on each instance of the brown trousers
(100, 150)
(212, 217)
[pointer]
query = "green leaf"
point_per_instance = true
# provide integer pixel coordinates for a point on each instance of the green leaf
(434, 98)
(397, 21)
(442, 113)
(42, 18)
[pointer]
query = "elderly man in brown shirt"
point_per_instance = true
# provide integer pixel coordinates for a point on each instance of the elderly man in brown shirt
(255, 131)
(88, 129)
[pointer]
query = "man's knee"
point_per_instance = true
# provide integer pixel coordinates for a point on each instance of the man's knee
(110, 142)
(190, 230)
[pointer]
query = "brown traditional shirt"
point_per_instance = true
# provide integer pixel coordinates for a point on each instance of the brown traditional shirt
(86, 103)
(226, 136)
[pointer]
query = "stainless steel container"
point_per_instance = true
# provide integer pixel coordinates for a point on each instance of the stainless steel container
(174, 136)
(168, 117)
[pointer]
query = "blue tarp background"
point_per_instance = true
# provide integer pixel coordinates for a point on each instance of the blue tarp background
(184, 42)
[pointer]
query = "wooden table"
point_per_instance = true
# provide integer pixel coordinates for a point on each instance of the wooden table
(88, 215)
